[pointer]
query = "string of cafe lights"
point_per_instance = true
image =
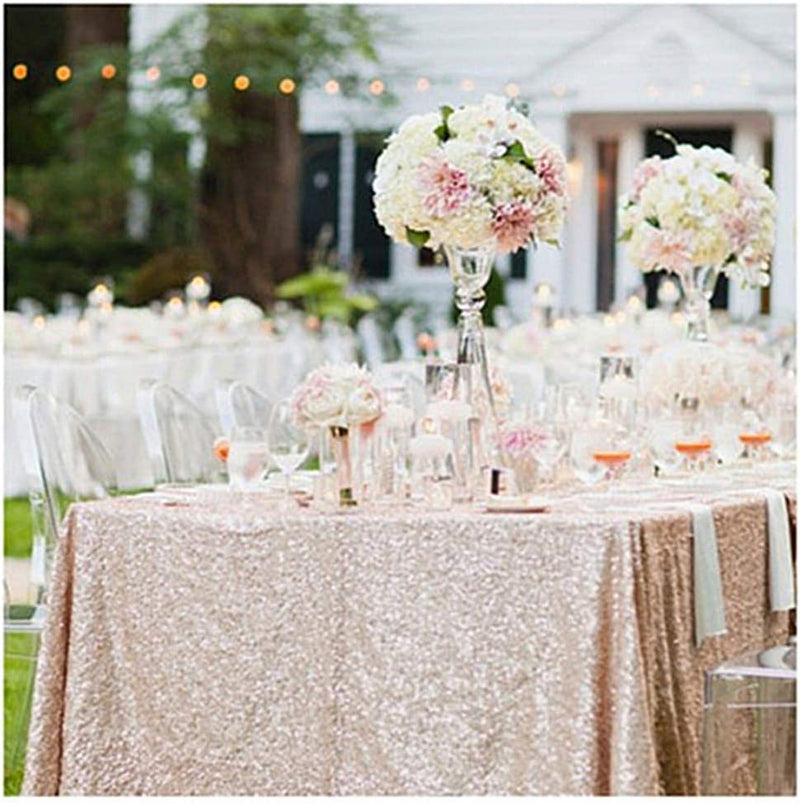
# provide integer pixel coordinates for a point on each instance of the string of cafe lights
(287, 85)
(241, 82)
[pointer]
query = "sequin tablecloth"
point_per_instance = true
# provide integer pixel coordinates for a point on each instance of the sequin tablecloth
(205, 644)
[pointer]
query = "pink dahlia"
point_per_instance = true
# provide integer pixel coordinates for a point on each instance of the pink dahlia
(669, 251)
(513, 225)
(552, 170)
(645, 170)
(741, 226)
(444, 187)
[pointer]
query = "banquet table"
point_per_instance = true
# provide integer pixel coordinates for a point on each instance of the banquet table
(200, 641)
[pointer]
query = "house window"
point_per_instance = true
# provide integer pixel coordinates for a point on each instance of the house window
(370, 242)
(607, 158)
(656, 145)
(319, 218)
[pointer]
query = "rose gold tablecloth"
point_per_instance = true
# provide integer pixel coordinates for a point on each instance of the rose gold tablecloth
(208, 645)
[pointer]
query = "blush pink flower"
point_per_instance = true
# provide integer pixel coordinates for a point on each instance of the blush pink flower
(669, 251)
(741, 226)
(445, 189)
(513, 225)
(645, 170)
(552, 170)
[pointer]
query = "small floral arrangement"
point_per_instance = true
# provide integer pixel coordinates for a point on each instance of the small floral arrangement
(700, 208)
(521, 440)
(337, 395)
(471, 176)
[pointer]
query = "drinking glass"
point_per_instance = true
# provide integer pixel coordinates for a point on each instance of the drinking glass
(600, 449)
(783, 426)
(288, 443)
(549, 450)
(248, 458)
(755, 436)
(664, 434)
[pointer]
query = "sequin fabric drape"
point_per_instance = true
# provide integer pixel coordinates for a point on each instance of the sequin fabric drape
(208, 645)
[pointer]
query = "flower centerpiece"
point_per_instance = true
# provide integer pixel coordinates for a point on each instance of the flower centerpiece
(476, 181)
(336, 399)
(697, 214)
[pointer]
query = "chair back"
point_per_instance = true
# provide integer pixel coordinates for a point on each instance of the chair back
(179, 437)
(406, 333)
(371, 339)
(240, 405)
(64, 462)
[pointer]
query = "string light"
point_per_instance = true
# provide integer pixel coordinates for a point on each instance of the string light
(423, 84)
(652, 90)
(512, 90)
(559, 90)
(332, 87)
(153, 73)
(20, 72)
(63, 73)
(698, 90)
(287, 86)
(241, 83)
(108, 71)
(377, 86)
(467, 85)
(199, 80)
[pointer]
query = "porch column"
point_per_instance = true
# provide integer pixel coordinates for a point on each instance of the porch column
(347, 196)
(548, 263)
(627, 277)
(744, 303)
(782, 291)
(580, 247)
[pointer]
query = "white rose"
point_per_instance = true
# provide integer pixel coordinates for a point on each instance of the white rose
(323, 405)
(363, 405)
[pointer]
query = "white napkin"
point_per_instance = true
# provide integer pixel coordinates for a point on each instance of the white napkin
(709, 604)
(781, 579)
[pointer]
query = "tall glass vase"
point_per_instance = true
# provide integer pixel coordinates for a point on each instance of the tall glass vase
(470, 269)
(698, 287)
(340, 441)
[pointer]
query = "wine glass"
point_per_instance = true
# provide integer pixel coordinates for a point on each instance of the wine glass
(248, 458)
(288, 443)
(782, 422)
(548, 450)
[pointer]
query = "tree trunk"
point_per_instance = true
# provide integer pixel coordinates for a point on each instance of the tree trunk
(250, 201)
(91, 26)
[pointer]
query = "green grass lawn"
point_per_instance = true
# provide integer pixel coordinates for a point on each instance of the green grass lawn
(17, 670)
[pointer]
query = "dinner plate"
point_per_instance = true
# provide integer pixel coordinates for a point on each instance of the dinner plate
(517, 504)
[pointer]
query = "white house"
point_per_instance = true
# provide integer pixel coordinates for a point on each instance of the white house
(599, 80)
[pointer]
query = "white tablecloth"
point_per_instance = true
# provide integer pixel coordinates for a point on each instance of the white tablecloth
(103, 389)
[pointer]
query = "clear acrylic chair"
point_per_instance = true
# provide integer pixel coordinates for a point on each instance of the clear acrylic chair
(240, 405)
(64, 462)
(749, 724)
(371, 340)
(178, 435)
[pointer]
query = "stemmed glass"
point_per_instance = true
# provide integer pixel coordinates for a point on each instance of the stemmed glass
(288, 443)
(248, 458)
(600, 449)
(549, 450)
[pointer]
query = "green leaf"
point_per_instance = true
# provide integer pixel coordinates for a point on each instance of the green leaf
(417, 238)
(653, 221)
(725, 176)
(626, 236)
(442, 131)
(516, 153)
(554, 242)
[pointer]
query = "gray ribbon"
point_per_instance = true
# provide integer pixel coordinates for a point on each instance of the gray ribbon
(781, 575)
(709, 603)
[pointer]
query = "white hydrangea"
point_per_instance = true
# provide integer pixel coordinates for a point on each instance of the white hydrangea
(470, 177)
(700, 208)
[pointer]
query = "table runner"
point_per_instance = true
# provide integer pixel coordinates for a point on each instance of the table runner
(407, 653)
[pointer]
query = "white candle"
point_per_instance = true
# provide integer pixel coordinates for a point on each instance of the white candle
(430, 446)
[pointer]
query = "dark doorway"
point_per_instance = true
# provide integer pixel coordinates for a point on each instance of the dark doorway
(370, 243)
(656, 145)
(607, 157)
(320, 193)
(519, 264)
